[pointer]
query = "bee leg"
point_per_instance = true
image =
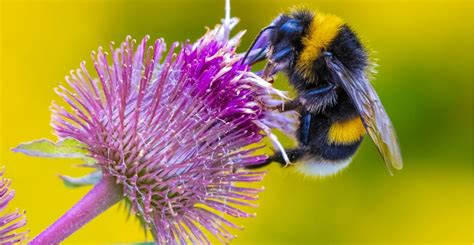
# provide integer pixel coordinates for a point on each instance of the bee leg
(293, 155)
(305, 127)
(304, 97)
(291, 105)
(316, 100)
(318, 91)
(260, 165)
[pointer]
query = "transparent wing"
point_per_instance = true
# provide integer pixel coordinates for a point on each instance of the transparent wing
(371, 110)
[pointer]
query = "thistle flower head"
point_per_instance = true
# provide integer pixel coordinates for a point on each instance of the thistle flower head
(174, 129)
(11, 222)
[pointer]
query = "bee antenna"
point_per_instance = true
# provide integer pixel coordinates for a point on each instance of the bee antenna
(255, 41)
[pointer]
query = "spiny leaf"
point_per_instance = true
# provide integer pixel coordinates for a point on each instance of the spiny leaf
(65, 148)
(74, 182)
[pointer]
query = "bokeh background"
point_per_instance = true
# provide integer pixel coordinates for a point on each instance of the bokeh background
(425, 53)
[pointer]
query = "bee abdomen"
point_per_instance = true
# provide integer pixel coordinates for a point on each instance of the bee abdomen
(336, 140)
(346, 132)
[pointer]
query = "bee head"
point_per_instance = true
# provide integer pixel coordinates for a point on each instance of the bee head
(286, 38)
(281, 40)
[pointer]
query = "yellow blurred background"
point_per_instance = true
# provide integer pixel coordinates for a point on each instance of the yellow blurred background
(425, 53)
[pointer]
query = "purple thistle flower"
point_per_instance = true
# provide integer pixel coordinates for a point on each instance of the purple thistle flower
(171, 133)
(12, 222)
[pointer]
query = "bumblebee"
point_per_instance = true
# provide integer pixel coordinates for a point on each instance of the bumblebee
(329, 68)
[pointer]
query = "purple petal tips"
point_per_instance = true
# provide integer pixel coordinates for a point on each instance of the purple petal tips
(11, 222)
(174, 129)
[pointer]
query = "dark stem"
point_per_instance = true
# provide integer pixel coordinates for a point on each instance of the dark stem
(101, 197)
